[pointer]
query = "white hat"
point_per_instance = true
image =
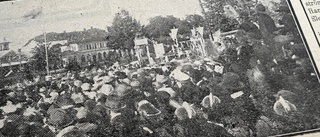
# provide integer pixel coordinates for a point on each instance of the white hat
(106, 79)
(85, 86)
(100, 71)
(66, 130)
(78, 98)
(180, 76)
(48, 78)
(106, 89)
(82, 74)
(77, 83)
(210, 100)
(282, 106)
(186, 108)
(169, 90)
(190, 110)
(150, 110)
(127, 81)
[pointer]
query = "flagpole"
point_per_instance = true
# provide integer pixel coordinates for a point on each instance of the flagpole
(46, 49)
(45, 42)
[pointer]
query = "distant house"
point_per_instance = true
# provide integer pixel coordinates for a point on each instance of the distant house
(84, 47)
(85, 53)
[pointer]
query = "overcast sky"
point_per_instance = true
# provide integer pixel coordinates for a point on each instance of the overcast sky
(71, 15)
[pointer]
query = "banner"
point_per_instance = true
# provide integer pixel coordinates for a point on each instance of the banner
(200, 30)
(139, 42)
(174, 33)
(159, 50)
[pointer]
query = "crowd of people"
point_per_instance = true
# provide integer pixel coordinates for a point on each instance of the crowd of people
(262, 85)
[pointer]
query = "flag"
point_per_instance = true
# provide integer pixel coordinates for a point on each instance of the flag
(174, 33)
(194, 32)
(159, 50)
(200, 30)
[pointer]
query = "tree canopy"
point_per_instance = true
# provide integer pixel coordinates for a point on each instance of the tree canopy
(159, 27)
(123, 30)
(39, 57)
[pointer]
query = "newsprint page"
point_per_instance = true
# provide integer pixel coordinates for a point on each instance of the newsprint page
(159, 68)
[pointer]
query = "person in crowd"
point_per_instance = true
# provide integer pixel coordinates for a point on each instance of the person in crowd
(266, 24)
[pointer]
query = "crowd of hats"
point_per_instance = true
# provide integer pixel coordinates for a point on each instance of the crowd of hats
(101, 102)
(183, 98)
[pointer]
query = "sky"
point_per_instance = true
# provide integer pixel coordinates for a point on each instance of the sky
(22, 20)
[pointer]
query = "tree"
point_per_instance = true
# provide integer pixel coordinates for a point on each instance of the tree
(123, 30)
(195, 20)
(159, 28)
(216, 15)
(39, 57)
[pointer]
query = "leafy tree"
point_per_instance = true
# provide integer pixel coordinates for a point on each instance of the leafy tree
(159, 27)
(123, 30)
(216, 17)
(39, 57)
(195, 20)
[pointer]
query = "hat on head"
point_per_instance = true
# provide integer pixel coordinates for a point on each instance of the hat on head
(71, 131)
(185, 111)
(180, 76)
(59, 118)
(121, 75)
(77, 98)
(106, 89)
(260, 8)
(20, 86)
(197, 63)
(243, 14)
(90, 104)
(134, 75)
(48, 78)
(181, 113)
(113, 102)
(145, 108)
(186, 68)
(77, 83)
(207, 75)
(99, 71)
(283, 8)
(283, 107)
(284, 93)
(135, 84)
(106, 79)
(161, 79)
(210, 101)
(85, 86)
(169, 91)
(122, 90)
(231, 81)
(126, 81)
(82, 74)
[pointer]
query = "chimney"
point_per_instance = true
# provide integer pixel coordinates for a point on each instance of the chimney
(91, 27)
(84, 29)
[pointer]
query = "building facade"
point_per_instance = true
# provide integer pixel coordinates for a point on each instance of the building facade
(86, 53)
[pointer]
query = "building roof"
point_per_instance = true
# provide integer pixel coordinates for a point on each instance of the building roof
(4, 52)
